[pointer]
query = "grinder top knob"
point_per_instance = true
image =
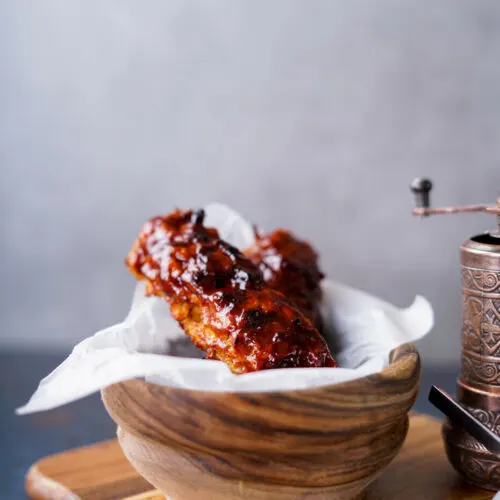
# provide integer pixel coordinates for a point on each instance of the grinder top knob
(421, 188)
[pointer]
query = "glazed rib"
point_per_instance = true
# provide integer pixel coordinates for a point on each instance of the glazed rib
(290, 266)
(221, 299)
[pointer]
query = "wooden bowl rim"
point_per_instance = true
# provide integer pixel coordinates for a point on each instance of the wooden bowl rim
(404, 365)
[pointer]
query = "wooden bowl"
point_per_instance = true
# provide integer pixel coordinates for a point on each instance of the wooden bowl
(324, 443)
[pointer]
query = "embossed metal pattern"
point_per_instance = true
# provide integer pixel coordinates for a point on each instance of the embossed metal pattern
(479, 381)
(468, 456)
(481, 328)
(480, 280)
(489, 418)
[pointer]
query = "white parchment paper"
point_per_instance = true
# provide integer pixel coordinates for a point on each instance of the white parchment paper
(360, 329)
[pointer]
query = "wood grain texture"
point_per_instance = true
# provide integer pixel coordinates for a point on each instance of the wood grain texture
(326, 442)
(101, 472)
(98, 471)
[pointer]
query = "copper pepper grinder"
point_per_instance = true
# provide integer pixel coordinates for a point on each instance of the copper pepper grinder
(478, 384)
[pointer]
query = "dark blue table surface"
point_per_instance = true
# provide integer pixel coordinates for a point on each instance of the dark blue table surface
(25, 439)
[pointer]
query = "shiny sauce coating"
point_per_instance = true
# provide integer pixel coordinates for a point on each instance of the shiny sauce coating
(290, 266)
(221, 299)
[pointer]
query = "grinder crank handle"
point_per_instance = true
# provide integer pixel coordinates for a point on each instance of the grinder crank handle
(421, 188)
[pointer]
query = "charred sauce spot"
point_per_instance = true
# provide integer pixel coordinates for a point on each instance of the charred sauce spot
(197, 217)
(253, 318)
(220, 282)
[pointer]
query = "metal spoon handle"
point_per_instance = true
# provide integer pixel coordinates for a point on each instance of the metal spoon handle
(461, 417)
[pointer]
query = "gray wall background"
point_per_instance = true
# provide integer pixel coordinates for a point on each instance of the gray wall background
(313, 115)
